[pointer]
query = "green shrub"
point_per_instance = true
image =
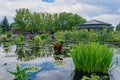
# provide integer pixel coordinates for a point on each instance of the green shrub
(115, 36)
(60, 35)
(44, 36)
(9, 35)
(115, 39)
(91, 58)
(77, 35)
(88, 36)
(21, 37)
(18, 40)
(37, 40)
(67, 35)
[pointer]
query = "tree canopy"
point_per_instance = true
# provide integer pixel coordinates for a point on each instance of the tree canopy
(34, 21)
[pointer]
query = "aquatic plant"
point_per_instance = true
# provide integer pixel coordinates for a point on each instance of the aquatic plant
(22, 74)
(91, 58)
(58, 47)
(93, 77)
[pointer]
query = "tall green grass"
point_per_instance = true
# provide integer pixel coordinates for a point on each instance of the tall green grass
(92, 58)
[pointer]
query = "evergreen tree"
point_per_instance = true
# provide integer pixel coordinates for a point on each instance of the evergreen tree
(5, 25)
(118, 27)
(0, 27)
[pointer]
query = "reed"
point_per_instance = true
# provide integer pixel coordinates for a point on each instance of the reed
(92, 58)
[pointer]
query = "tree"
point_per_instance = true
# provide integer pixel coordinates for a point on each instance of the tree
(0, 24)
(48, 22)
(12, 25)
(0, 27)
(35, 22)
(67, 21)
(118, 27)
(22, 19)
(5, 25)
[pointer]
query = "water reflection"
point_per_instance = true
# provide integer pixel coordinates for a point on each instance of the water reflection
(28, 52)
(7, 47)
(54, 67)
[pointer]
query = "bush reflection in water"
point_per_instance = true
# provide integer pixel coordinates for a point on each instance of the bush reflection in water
(26, 52)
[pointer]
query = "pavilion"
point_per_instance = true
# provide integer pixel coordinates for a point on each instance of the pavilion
(95, 24)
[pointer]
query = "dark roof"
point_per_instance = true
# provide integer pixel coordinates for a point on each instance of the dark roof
(95, 24)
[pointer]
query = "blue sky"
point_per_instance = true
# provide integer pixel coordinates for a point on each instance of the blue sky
(104, 10)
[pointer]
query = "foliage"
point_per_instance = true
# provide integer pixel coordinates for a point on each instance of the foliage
(5, 25)
(44, 36)
(22, 18)
(7, 47)
(93, 77)
(37, 40)
(22, 74)
(104, 35)
(9, 35)
(88, 36)
(21, 37)
(67, 21)
(58, 47)
(0, 27)
(115, 36)
(59, 62)
(46, 21)
(77, 35)
(118, 27)
(18, 40)
(92, 58)
(0, 24)
(12, 25)
(60, 35)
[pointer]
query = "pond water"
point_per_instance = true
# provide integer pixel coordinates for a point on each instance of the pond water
(51, 68)
(114, 71)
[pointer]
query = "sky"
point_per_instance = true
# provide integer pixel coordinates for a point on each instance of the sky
(103, 10)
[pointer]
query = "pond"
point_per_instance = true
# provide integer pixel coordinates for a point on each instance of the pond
(51, 67)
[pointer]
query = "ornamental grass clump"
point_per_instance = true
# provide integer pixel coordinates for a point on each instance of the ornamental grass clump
(92, 58)
(37, 40)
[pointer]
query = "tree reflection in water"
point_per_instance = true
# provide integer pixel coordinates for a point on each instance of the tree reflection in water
(28, 52)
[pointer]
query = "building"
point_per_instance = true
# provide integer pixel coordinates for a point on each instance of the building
(95, 24)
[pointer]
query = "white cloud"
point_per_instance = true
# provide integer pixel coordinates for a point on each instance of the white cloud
(84, 9)
(56, 6)
(110, 18)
